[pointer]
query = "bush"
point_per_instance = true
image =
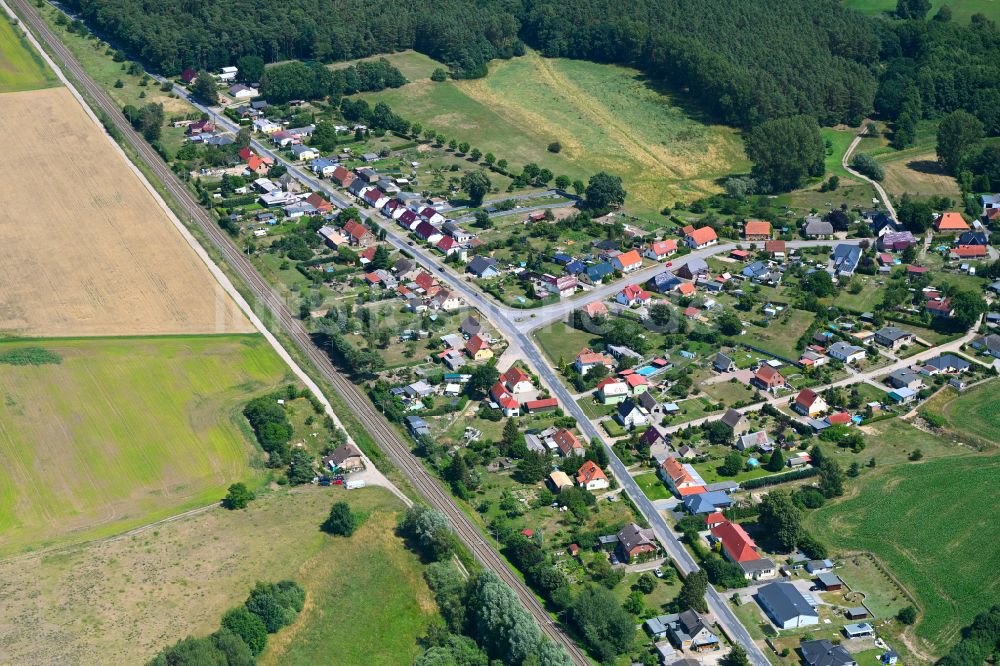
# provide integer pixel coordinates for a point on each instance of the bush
(30, 356)
(907, 615)
(247, 626)
(238, 497)
(866, 165)
(341, 521)
(276, 604)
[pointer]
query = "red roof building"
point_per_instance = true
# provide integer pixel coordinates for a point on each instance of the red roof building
(702, 237)
(950, 222)
(541, 405)
(736, 543)
(568, 443)
(969, 251)
(757, 230)
(319, 203)
(768, 377)
(775, 247)
(591, 477)
(840, 418)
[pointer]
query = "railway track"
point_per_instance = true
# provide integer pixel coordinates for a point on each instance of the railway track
(270, 302)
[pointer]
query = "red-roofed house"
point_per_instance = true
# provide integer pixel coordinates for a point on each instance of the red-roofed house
(478, 349)
(736, 543)
(637, 383)
(687, 289)
(768, 378)
(691, 312)
(317, 201)
(660, 250)
(587, 360)
(568, 444)
(687, 229)
(448, 246)
(915, 271)
(840, 418)
(715, 518)
(940, 307)
(679, 479)
(950, 222)
(776, 248)
(633, 294)
(516, 380)
(591, 477)
(259, 165)
(508, 403)
(358, 234)
(376, 197)
(425, 281)
(757, 230)
(809, 403)
(245, 154)
(426, 231)
(626, 262)
(367, 255)
(703, 237)
(968, 252)
(542, 405)
(595, 309)
(343, 177)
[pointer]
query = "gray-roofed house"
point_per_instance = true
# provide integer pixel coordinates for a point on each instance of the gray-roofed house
(723, 486)
(759, 440)
(630, 415)
(722, 363)
(634, 542)
(736, 422)
(471, 326)
(817, 227)
(819, 566)
(830, 581)
(709, 502)
(685, 630)
(595, 273)
(893, 337)
(904, 378)
(845, 353)
(345, 458)
(483, 267)
(988, 344)
(663, 283)
(846, 258)
(786, 606)
(693, 268)
(824, 653)
(946, 363)
(762, 568)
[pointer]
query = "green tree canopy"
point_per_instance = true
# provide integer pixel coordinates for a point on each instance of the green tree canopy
(786, 151)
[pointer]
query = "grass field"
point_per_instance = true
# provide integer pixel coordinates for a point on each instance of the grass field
(87, 249)
(124, 431)
(931, 524)
(919, 174)
(414, 66)
(604, 117)
(558, 340)
(839, 140)
(973, 415)
(652, 486)
(781, 336)
(21, 68)
(962, 10)
(121, 600)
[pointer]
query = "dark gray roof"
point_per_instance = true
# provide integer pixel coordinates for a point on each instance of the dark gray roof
(784, 601)
(471, 326)
(761, 564)
(479, 265)
(344, 452)
(892, 333)
(825, 653)
(946, 361)
(846, 257)
(904, 376)
(732, 418)
(722, 361)
(816, 226)
(632, 535)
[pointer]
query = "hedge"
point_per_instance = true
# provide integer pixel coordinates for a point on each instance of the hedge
(775, 479)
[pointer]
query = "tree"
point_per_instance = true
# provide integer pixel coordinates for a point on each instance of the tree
(578, 187)
(717, 432)
(238, 496)
(247, 626)
(732, 465)
(957, 133)
(300, 467)
(499, 622)
(430, 532)
(205, 90)
(605, 191)
(968, 307)
(607, 628)
(481, 380)
(276, 604)
(233, 648)
(646, 583)
(907, 615)
(251, 68)
(737, 657)
(831, 478)
(464, 147)
(562, 182)
(913, 9)
(781, 519)
(475, 154)
(818, 283)
(692, 594)
(785, 151)
(729, 323)
(439, 74)
(191, 652)
(477, 184)
(866, 165)
(533, 467)
(341, 521)
(776, 462)
(555, 147)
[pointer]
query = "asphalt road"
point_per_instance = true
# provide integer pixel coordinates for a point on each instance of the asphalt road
(268, 302)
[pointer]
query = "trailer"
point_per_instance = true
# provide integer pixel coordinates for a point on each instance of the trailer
(355, 483)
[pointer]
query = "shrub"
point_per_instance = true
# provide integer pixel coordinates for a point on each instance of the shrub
(866, 165)
(341, 521)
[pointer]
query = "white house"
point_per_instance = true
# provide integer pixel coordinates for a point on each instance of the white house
(845, 353)
(228, 73)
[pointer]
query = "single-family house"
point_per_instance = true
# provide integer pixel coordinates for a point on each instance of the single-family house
(737, 545)
(817, 227)
(358, 234)
(962, 252)
(809, 403)
(768, 378)
(946, 363)
(893, 337)
(343, 176)
(591, 477)
(846, 258)
(722, 363)
(507, 403)
(846, 353)
(896, 241)
(776, 248)
(597, 273)
(902, 396)
(707, 502)
(426, 231)
(630, 415)
(685, 630)
(626, 262)
(478, 349)
(940, 307)
(735, 421)
(759, 440)
(786, 606)
(824, 653)
(346, 458)
(516, 380)
(950, 222)
(320, 204)
(973, 238)
(483, 267)
(756, 230)
(904, 378)
(702, 237)
(567, 443)
(663, 283)
(301, 152)
(763, 568)
(587, 360)
(635, 543)
(632, 295)
(693, 268)
(612, 390)
(660, 250)
(988, 344)
(682, 479)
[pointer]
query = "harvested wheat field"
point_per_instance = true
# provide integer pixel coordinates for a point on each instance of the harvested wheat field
(87, 249)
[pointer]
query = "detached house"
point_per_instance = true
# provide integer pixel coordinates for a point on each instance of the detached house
(483, 267)
(635, 543)
(516, 380)
(768, 378)
(893, 337)
(660, 250)
(358, 234)
(809, 403)
(775, 248)
(478, 349)
(626, 262)
(950, 223)
(703, 237)
(845, 353)
(817, 227)
(612, 390)
(591, 477)
(756, 230)
(633, 294)
(737, 545)
(682, 479)
(567, 443)
(507, 403)
(587, 360)
(630, 415)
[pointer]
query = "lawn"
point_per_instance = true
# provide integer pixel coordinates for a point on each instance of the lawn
(124, 431)
(839, 140)
(414, 66)
(21, 68)
(782, 334)
(121, 600)
(729, 392)
(972, 415)
(961, 10)
(919, 174)
(926, 521)
(384, 630)
(604, 117)
(561, 341)
(652, 486)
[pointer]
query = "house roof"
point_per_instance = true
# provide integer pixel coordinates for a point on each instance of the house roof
(632, 536)
(503, 397)
(634, 291)
(893, 333)
(356, 230)
(757, 228)
(342, 453)
(824, 653)
(840, 418)
(475, 344)
(774, 246)
(514, 375)
(663, 247)
(969, 251)
(567, 441)
(588, 472)
(589, 357)
(703, 235)
(736, 542)
(768, 374)
(951, 221)
(630, 258)
(596, 308)
(806, 397)
(480, 264)
(686, 289)
(816, 226)
(707, 502)
(785, 601)
(946, 361)
(732, 418)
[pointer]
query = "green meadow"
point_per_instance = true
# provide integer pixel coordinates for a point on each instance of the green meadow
(21, 68)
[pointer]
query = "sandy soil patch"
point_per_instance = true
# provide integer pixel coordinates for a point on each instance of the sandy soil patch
(87, 249)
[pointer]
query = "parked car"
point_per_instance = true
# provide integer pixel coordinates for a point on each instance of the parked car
(658, 572)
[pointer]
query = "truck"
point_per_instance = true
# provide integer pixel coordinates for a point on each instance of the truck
(355, 483)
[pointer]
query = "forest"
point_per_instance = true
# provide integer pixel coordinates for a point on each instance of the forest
(743, 61)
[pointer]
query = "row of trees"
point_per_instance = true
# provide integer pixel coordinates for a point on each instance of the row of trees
(313, 80)
(243, 634)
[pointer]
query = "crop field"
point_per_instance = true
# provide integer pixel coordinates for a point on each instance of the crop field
(124, 431)
(87, 249)
(604, 117)
(962, 10)
(120, 600)
(21, 68)
(929, 523)
(974, 414)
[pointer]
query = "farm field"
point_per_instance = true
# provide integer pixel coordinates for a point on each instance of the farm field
(926, 522)
(125, 431)
(21, 68)
(121, 600)
(962, 10)
(973, 415)
(604, 117)
(87, 249)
